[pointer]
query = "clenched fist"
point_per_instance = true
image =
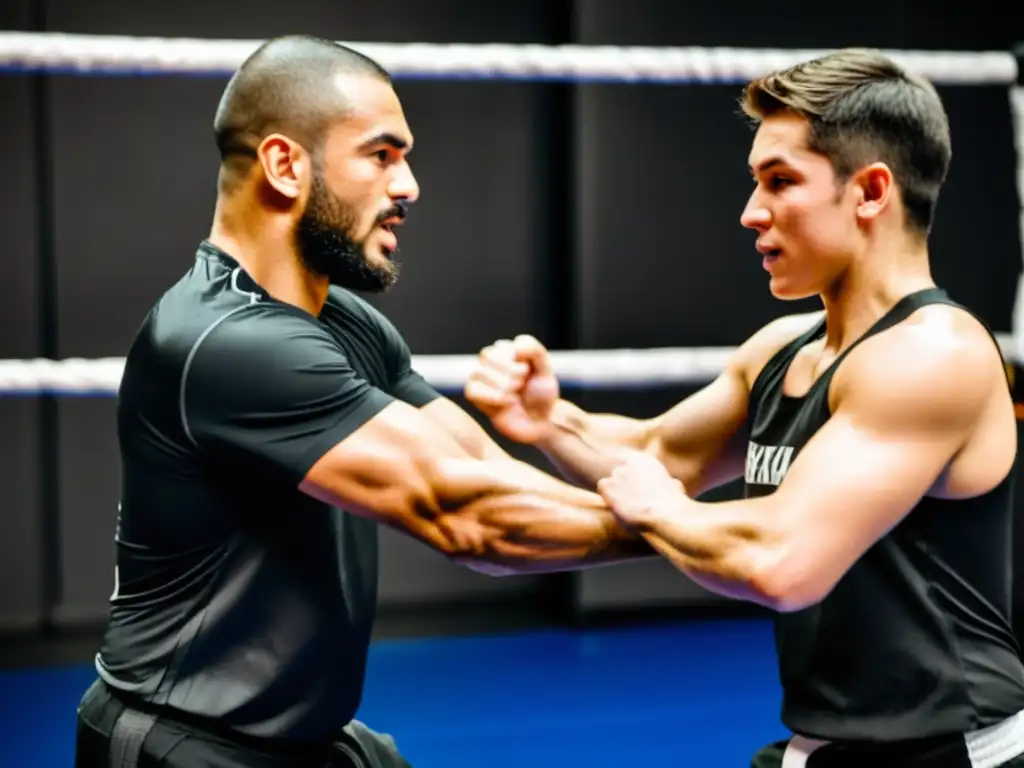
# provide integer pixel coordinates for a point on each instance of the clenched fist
(513, 384)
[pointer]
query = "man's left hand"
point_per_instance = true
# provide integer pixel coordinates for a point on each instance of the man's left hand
(640, 489)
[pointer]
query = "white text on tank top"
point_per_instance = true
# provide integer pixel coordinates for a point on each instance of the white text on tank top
(767, 464)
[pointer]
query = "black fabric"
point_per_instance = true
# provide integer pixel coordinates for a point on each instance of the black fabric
(271, 390)
(915, 639)
(238, 597)
(946, 752)
(367, 332)
(192, 742)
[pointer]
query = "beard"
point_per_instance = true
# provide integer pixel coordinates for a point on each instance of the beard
(326, 239)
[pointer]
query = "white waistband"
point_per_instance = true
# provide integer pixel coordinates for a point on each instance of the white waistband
(997, 744)
(798, 750)
(987, 747)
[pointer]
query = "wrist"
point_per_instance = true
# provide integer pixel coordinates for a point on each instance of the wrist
(563, 420)
(653, 519)
(547, 438)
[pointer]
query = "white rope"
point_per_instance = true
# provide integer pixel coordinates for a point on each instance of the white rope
(1017, 113)
(592, 369)
(618, 368)
(97, 55)
(108, 54)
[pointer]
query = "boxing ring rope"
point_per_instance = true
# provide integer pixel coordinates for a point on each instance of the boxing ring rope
(110, 54)
(100, 55)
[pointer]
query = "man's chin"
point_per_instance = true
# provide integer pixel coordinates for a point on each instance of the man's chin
(375, 275)
(379, 258)
(384, 263)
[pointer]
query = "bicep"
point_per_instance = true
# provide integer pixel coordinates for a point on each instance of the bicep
(855, 480)
(701, 441)
(884, 448)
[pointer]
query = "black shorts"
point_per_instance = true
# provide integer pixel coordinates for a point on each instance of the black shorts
(932, 753)
(170, 743)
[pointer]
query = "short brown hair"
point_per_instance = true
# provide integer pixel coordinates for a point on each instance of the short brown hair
(863, 108)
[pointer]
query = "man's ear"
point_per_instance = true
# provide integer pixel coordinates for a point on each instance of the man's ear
(875, 187)
(285, 164)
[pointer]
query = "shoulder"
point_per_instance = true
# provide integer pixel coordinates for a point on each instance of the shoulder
(343, 303)
(345, 300)
(266, 363)
(260, 338)
(750, 358)
(939, 364)
(259, 324)
(347, 313)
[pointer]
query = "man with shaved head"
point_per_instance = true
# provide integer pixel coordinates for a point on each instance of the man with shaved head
(269, 419)
(313, 93)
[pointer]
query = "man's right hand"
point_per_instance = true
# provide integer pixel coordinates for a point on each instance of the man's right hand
(513, 384)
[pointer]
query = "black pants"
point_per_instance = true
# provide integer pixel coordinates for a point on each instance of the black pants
(170, 743)
(935, 753)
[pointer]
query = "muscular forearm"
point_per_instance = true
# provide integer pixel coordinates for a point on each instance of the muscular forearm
(586, 447)
(507, 516)
(728, 548)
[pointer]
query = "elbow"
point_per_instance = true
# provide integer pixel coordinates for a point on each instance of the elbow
(786, 586)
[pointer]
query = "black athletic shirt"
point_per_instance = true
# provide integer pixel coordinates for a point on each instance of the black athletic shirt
(237, 597)
(915, 640)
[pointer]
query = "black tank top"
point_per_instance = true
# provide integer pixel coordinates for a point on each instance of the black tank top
(915, 640)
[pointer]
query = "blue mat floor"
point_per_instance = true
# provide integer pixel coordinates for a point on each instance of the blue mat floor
(697, 693)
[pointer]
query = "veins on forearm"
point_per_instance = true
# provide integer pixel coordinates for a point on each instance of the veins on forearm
(512, 512)
(527, 532)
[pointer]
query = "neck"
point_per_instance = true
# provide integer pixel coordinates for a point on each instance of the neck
(265, 248)
(872, 286)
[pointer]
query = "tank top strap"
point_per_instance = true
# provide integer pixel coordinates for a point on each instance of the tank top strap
(903, 309)
(771, 375)
(900, 311)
